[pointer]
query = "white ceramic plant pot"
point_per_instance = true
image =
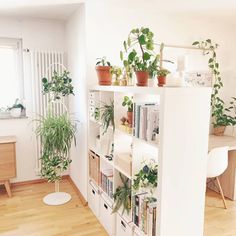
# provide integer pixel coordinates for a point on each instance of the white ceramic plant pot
(151, 82)
(15, 112)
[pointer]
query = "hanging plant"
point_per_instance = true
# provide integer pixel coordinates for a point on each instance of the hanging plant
(58, 85)
(107, 116)
(220, 113)
(122, 196)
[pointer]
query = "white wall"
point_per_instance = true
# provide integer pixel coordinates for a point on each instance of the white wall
(37, 34)
(75, 31)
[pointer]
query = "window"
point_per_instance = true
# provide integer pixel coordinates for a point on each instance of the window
(11, 71)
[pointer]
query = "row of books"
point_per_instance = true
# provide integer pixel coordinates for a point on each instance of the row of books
(144, 214)
(107, 182)
(146, 121)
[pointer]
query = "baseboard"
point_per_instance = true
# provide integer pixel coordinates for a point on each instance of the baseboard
(84, 202)
(35, 181)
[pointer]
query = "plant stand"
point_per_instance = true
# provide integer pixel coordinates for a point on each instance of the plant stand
(57, 198)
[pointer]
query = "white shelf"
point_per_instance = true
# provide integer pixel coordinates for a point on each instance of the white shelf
(152, 143)
(106, 160)
(122, 172)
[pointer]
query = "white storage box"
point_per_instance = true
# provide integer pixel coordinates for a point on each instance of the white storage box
(122, 227)
(107, 219)
(93, 198)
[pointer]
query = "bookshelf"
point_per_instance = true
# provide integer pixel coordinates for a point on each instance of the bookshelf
(180, 150)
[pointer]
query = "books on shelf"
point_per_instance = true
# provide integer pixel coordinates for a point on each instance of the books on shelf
(146, 121)
(144, 214)
(107, 182)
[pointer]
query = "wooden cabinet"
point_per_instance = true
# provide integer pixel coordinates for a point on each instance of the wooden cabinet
(7, 161)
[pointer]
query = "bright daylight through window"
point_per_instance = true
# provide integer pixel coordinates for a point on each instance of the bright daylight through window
(11, 86)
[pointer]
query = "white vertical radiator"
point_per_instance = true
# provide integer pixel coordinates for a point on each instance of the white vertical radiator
(43, 64)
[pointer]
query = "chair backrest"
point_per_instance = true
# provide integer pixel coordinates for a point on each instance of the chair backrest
(217, 161)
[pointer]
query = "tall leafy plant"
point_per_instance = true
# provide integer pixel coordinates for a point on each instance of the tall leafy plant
(140, 49)
(220, 113)
(107, 116)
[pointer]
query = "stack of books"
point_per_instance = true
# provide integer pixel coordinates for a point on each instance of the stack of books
(144, 214)
(146, 120)
(107, 182)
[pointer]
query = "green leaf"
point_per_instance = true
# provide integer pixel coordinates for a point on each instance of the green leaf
(208, 40)
(121, 56)
(146, 56)
(195, 43)
(141, 39)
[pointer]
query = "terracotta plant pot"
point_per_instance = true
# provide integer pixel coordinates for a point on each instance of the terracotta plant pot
(104, 75)
(130, 118)
(219, 130)
(161, 80)
(142, 78)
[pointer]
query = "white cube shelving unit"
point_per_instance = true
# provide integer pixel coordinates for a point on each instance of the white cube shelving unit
(181, 154)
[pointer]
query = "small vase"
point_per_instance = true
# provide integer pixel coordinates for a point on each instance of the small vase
(130, 118)
(161, 80)
(142, 78)
(104, 75)
(151, 82)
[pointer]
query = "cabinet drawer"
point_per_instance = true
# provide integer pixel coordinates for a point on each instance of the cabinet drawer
(7, 161)
(106, 217)
(122, 228)
(93, 199)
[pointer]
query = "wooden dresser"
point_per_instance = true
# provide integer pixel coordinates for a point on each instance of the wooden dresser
(7, 161)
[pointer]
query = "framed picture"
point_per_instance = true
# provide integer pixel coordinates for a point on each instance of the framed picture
(198, 79)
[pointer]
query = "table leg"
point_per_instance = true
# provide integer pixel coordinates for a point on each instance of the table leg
(7, 186)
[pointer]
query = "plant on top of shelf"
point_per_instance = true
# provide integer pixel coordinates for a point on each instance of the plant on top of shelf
(117, 72)
(127, 101)
(161, 76)
(140, 39)
(103, 68)
(122, 196)
(147, 177)
(220, 113)
(107, 116)
(59, 86)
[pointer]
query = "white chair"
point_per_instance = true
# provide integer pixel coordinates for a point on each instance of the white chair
(216, 165)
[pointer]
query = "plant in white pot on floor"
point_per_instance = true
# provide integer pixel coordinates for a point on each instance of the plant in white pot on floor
(56, 132)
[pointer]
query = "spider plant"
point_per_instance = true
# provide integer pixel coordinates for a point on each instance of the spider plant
(122, 196)
(107, 116)
(56, 134)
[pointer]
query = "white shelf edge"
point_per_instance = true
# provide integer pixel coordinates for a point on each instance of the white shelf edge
(122, 172)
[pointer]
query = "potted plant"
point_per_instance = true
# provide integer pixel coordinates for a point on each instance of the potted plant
(143, 39)
(122, 196)
(16, 109)
(56, 133)
(146, 178)
(129, 103)
(107, 116)
(116, 72)
(161, 76)
(103, 68)
(220, 113)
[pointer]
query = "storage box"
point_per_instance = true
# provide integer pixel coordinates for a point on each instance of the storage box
(93, 199)
(94, 167)
(124, 162)
(122, 227)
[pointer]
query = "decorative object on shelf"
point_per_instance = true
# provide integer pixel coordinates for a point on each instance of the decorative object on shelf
(122, 196)
(129, 103)
(16, 109)
(141, 64)
(198, 79)
(161, 76)
(220, 113)
(123, 120)
(146, 178)
(103, 68)
(116, 72)
(107, 116)
(59, 85)
(56, 132)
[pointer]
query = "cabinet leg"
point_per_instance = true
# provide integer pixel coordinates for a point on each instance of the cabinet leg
(7, 186)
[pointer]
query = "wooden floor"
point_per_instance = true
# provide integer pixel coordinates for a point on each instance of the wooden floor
(25, 214)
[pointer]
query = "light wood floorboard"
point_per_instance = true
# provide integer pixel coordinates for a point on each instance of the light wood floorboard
(25, 214)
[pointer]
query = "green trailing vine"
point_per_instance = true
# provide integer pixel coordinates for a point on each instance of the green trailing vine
(220, 113)
(122, 196)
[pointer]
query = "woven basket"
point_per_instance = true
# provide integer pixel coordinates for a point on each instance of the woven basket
(219, 131)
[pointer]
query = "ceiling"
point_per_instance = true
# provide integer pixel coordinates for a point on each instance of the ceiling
(45, 9)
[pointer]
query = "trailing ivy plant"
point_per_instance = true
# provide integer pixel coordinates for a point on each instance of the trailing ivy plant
(59, 86)
(147, 177)
(146, 59)
(122, 196)
(220, 113)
